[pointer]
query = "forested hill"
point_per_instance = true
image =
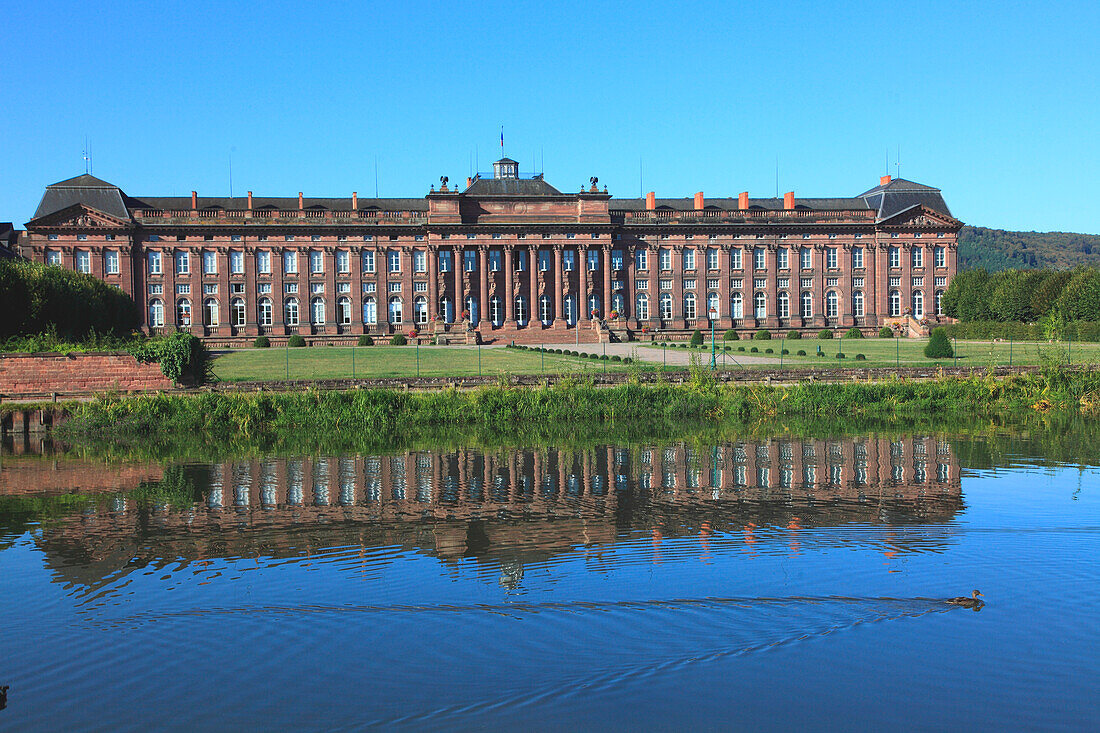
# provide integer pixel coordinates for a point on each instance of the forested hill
(998, 249)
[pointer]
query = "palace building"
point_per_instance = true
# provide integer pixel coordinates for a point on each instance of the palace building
(506, 257)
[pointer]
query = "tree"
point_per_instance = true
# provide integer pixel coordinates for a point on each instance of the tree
(1080, 299)
(939, 346)
(697, 338)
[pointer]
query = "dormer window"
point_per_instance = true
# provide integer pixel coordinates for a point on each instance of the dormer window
(506, 168)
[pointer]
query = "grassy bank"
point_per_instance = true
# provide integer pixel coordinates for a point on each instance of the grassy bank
(567, 408)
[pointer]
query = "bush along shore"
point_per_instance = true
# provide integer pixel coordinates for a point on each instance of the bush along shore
(260, 418)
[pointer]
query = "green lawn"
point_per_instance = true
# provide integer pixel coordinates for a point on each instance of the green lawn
(907, 352)
(331, 362)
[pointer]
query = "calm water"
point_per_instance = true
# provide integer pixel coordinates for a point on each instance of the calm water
(766, 584)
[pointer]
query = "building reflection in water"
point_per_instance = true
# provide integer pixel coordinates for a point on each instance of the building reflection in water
(510, 508)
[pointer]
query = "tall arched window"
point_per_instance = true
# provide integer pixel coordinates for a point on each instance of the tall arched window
(570, 309)
(264, 312)
(236, 312)
(918, 304)
(420, 310)
(370, 311)
(689, 306)
(496, 310)
(760, 306)
(447, 310)
(857, 304)
(643, 307)
(522, 314)
(737, 306)
(292, 312)
(183, 313)
(156, 314)
(939, 302)
(210, 311)
(714, 303)
(895, 303)
(343, 310)
(783, 305)
(594, 310)
(665, 304)
(807, 305)
(831, 304)
(395, 310)
(317, 311)
(546, 310)
(473, 313)
(618, 304)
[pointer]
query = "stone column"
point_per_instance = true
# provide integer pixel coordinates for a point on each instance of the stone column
(882, 283)
(630, 297)
(483, 283)
(725, 316)
(459, 298)
(559, 284)
(433, 281)
(844, 307)
(509, 295)
(677, 275)
(819, 285)
(607, 281)
(533, 272)
(771, 264)
(582, 274)
(251, 296)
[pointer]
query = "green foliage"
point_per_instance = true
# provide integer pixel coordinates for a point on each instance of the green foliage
(730, 335)
(801, 352)
(296, 341)
(35, 298)
(861, 357)
(261, 342)
(998, 249)
(697, 338)
(825, 334)
(399, 339)
(886, 333)
(840, 355)
(366, 340)
(769, 351)
(182, 357)
(754, 350)
(794, 335)
(853, 333)
(785, 352)
(939, 346)
(762, 335)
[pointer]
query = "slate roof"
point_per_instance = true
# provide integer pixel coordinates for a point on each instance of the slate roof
(900, 194)
(8, 237)
(511, 187)
(87, 190)
(165, 203)
(730, 204)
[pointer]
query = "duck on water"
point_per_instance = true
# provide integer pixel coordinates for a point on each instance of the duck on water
(972, 602)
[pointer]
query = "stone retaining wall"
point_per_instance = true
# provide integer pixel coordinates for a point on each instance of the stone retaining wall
(26, 376)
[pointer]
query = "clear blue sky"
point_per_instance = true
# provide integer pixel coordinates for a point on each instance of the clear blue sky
(995, 103)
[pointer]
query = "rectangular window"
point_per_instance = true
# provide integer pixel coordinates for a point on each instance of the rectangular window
(263, 263)
(209, 263)
(641, 259)
(264, 288)
(830, 257)
(857, 282)
(894, 255)
(316, 261)
(316, 288)
(236, 288)
(420, 261)
(781, 258)
(420, 287)
(210, 289)
(712, 258)
(290, 263)
(368, 261)
(760, 283)
(494, 260)
(236, 262)
(343, 287)
(689, 284)
(568, 260)
(156, 289)
(369, 287)
(735, 259)
(593, 260)
(941, 282)
(806, 282)
(183, 263)
(53, 257)
(641, 285)
(343, 261)
(445, 261)
(183, 289)
(736, 283)
(895, 282)
(689, 259)
(54, 237)
(918, 282)
(84, 262)
(394, 287)
(784, 282)
(857, 257)
(469, 260)
(713, 283)
(393, 258)
(918, 256)
(81, 237)
(291, 287)
(665, 258)
(544, 260)
(110, 263)
(521, 260)
(665, 285)
(759, 258)
(939, 257)
(806, 257)
(832, 282)
(616, 259)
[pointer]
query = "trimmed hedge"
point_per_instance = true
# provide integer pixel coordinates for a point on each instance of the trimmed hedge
(366, 340)
(296, 341)
(399, 340)
(730, 335)
(261, 342)
(853, 333)
(885, 333)
(825, 334)
(794, 335)
(762, 335)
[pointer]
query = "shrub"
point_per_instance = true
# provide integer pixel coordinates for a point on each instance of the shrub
(885, 333)
(697, 338)
(769, 351)
(785, 352)
(939, 347)
(628, 360)
(861, 357)
(762, 335)
(794, 335)
(603, 357)
(261, 342)
(684, 346)
(742, 348)
(616, 357)
(840, 355)
(727, 348)
(594, 356)
(853, 333)
(399, 340)
(754, 350)
(730, 335)
(801, 352)
(366, 340)
(296, 341)
(825, 334)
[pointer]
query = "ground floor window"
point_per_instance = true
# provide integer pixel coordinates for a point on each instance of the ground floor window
(784, 305)
(831, 304)
(265, 312)
(395, 310)
(643, 307)
(760, 306)
(183, 313)
(343, 311)
(236, 312)
(570, 304)
(594, 305)
(496, 311)
(447, 310)
(857, 304)
(210, 311)
(918, 304)
(370, 311)
(666, 306)
(737, 306)
(292, 312)
(156, 314)
(521, 310)
(689, 306)
(939, 302)
(807, 305)
(546, 310)
(420, 310)
(472, 311)
(317, 311)
(895, 303)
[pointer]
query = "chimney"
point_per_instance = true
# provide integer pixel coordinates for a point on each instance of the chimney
(883, 180)
(469, 181)
(788, 200)
(743, 200)
(651, 201)
(250, 201)
(194, 200)
(300, 205)
(699, 201)
(355, 201)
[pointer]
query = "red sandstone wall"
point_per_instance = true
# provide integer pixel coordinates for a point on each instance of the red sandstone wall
(39, 476)
(46, 373)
